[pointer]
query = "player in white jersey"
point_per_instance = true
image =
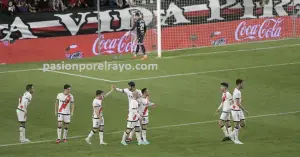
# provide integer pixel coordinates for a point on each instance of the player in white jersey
(64, 109)
(144, 104)
(98, 119)
(237, 112)
(128, 92)
(225, 105)
(133, 120)
(22, 111)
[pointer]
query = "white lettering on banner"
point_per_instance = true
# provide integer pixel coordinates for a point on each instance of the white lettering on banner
(116, 45)
(270, 28)
(296, 3)
(70, 23)
(175, 11)
(18, 25)
(122, 17)
(215, 10)
(268, 8)
(248, 12)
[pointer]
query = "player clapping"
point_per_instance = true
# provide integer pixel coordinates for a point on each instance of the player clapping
(144, 104)
(224, 121)
(24, 101)
(133, 120)
(63, 104)
(98, 119)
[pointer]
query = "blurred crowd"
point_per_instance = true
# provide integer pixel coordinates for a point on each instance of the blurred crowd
(13, 7)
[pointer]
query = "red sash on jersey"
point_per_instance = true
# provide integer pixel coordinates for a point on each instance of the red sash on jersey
(224, 98)
(145, 110)
(64, 105)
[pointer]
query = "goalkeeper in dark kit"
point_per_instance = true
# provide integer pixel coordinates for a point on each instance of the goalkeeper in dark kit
(141, 28)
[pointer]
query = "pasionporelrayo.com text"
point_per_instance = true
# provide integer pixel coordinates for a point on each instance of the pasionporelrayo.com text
(103, 66)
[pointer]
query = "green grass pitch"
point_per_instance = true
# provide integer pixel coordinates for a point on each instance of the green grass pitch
(186, 90)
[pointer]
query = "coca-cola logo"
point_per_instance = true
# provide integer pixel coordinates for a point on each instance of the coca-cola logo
(269, 28)
(124, 44)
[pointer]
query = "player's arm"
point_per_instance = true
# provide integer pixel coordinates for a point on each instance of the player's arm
(219, 108)
(134, 26)
(25, 103)
(135, 111)
(108, 93)
(73, 105)
(118, 89)
(148, 104)
(237, 101)
(73, 108)
(56, 106)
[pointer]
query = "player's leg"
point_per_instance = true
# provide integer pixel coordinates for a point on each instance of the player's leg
(96, 126)
(141, 43)
(66, 120)
(22, 118)
(223, 126)
(130, 126)
(138, 132)
(242, 118)
(101, 132)
(145, 122)
(129, 139)
(59, 126)
(235, 134)
(228, 124)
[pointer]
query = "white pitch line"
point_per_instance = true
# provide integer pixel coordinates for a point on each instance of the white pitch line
(242, 50)
(206, 72)
(159, 127)
(23, 70)
(82, 76)
(184, 55)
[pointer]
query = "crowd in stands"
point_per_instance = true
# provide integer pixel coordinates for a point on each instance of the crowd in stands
(24, 6)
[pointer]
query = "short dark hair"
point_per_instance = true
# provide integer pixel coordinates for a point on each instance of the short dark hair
(99, 92)
(66, 86)
(131, 84)
(29, 86)
(144, 90)
(224, 84)
(137, 14)
(239, 81)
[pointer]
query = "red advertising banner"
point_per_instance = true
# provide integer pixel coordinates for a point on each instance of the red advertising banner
(71, 47)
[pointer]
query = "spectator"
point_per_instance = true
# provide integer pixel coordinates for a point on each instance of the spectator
(3, 4)
(81, 4)
(56, 4)
(32, 5)
(43, 5)
(118, 3)
(71, 3)
(11, 8)
(22, 6)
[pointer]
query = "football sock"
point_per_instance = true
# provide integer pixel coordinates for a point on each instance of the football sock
(91, 134)
(101, 136)
(144, 134)
(58, 133)
(65, 133)
(124, 136)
